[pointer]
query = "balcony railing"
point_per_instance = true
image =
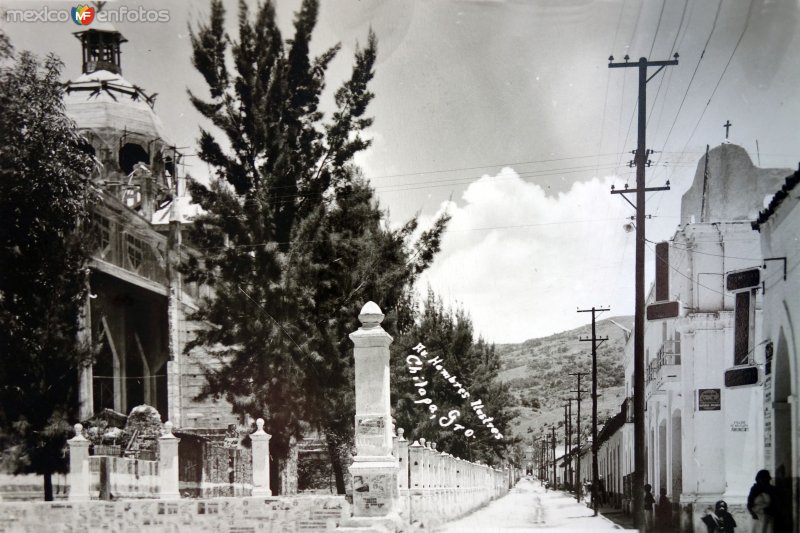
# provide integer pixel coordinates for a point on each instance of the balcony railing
(668, 354)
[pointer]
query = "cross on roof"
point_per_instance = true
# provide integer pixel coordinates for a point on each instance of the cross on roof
(727, 127)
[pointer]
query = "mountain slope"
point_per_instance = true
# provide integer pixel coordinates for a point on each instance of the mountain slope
(537, 371)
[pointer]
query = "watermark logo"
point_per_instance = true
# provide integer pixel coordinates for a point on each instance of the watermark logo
(82, 15)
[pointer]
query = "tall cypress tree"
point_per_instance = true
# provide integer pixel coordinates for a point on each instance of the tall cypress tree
(45, 197)
(293, 237)
(448, 335)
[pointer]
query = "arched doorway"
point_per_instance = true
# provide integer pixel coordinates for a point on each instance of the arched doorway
(782, 375)
(662, 457)
(677, 463)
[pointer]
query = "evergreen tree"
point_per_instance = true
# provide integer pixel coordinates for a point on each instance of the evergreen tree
(449, 336)
(293, 238)
(45, 198)
(344, 258)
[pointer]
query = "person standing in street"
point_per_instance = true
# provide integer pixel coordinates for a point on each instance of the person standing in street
(725, 519)
(761, 503)
(663, 512)
(647, 504)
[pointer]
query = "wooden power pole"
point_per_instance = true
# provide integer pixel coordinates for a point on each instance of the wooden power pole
(594, 340)
(639, 458)
(580, 391)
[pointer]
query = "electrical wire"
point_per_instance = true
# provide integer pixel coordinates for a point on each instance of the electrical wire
(658, 26)
(719, 81)
(691, 80)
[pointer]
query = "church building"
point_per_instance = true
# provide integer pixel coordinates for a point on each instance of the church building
(139, 302)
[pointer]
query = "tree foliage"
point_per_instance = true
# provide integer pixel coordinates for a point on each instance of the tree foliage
(45, 197)
(294, 240)
(448, 335)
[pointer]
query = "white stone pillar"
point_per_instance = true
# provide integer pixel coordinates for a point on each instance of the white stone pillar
(416, 466)
(374, 469)
(168, 463)
(260, 449)
(78, 466)
(401, 452)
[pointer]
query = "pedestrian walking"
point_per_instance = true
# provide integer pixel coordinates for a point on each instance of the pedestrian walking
(647, 504)
(719, 520)
(760, 503)
(663, 512)
(725, 519)
(710, 520)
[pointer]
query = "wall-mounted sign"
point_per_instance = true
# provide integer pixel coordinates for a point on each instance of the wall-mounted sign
(663, 310)
(709, 400)
(743, 279)
(739, 425)
(736, 377)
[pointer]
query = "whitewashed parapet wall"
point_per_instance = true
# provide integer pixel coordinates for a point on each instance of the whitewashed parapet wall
(436, 487)
(128, 478)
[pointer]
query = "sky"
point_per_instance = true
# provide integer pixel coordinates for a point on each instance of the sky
(505, 115)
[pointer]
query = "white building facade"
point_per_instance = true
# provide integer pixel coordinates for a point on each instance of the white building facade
(704, 382)
(779, 227)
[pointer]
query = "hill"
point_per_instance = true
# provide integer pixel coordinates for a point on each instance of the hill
(537, 371)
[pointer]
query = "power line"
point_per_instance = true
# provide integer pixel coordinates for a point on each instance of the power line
(719, 81)
(658, 26)
(691, 80)
(455, 169)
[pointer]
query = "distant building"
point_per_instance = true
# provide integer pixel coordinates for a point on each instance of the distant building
(138, 300)
(779, 227)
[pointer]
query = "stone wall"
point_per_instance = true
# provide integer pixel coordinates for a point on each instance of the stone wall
(119, 477)
(26, 487)
(221, 515)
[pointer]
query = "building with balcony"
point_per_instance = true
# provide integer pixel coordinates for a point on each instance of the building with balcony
(139, 302)
(704, 398)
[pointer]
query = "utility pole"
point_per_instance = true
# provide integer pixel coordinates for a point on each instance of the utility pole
(566, 444)
(545, 455)
(578, 432)
(553, 441)
(641, 154)
(568, 438)
(594, 339)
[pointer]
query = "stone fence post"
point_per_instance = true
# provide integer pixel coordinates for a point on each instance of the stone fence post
(168, 463)
(374, 469)
(416, 466)
(78, 466)
(260, 440)
(401, 452)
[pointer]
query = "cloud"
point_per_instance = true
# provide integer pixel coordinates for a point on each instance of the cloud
(522, 261)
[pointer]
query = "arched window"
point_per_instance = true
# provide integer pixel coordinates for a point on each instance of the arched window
(129, 155)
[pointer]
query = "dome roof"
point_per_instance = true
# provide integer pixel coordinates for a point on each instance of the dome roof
(101, 101)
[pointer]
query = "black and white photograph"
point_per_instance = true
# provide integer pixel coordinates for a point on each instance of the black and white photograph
(400, 266)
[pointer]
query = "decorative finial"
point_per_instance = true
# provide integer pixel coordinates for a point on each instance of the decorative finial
(433, 445)
(260, 424)
(168, 428)
(78, 429)
(422, 442)
(371, 315)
